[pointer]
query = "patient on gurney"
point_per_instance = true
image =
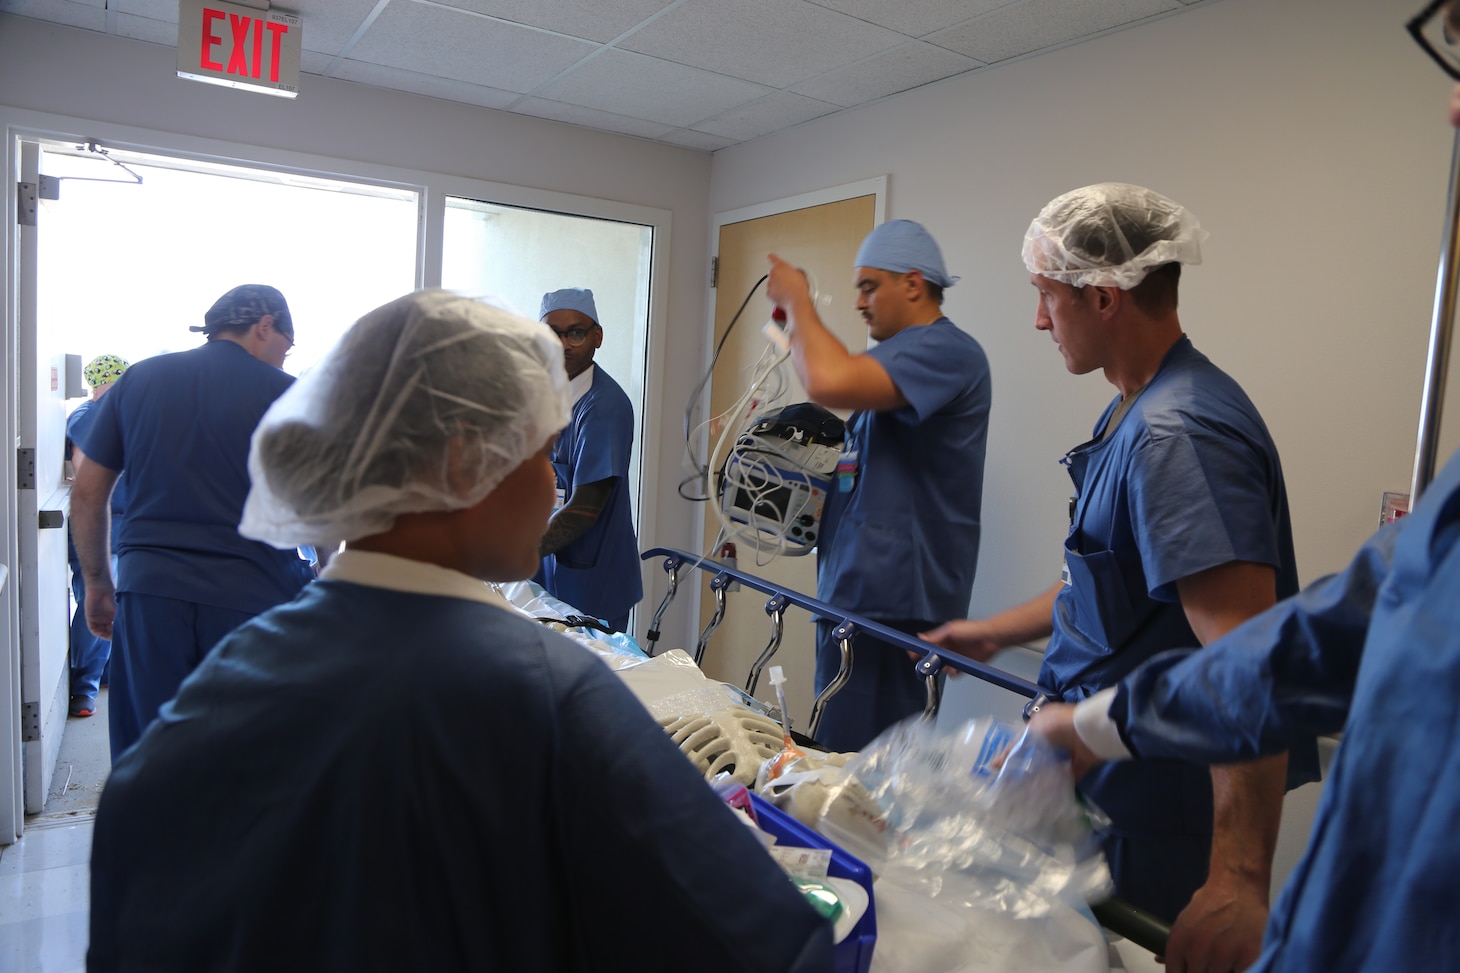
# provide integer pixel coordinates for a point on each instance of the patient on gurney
(397, 771)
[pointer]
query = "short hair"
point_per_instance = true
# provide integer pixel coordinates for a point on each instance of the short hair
(1156, 295)
(934, 291)
(1092, 240)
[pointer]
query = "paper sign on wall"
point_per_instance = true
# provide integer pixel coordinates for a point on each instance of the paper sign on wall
(239, 46)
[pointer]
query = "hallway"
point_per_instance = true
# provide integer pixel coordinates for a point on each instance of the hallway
(45, 877)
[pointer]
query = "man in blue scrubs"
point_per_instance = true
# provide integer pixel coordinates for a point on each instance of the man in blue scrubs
(179, 426)
(89, 654)
(1179, 531)
(590, 553)
(397, 770)
(1374, 652)
(900, 530)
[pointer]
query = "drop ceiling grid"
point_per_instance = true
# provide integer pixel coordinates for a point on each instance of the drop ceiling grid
(698, 73)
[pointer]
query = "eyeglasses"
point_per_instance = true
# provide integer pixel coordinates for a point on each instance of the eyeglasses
(1437, 30)
(573, 337)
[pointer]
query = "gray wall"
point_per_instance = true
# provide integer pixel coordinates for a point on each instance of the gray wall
(1309, 136)
(84, 75)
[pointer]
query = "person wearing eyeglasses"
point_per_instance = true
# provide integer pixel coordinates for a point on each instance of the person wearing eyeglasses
(590, 554)
(1374, 652)
(179, 426)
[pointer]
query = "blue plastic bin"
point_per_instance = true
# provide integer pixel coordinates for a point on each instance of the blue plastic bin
(853, 954)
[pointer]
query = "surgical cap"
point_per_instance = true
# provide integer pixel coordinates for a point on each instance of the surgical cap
(1110, 235)
(902, 245)
(243, 306)
(426, 404)
(578, 299)
(104, 370)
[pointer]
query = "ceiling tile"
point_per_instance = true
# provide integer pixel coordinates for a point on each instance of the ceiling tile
(773, 42)
(163, 10)
(328, 27)
(899, 69)
(595, 20)
(147, 29)
(589, 117)
(451, 44)
(691, 139)
(315, 62)
(91, 15)
(913, 19)
(646, 87)
(422, 84)
(775, 111)
(1030, 25)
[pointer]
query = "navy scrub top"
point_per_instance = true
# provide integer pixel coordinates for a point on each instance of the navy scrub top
(179, 426)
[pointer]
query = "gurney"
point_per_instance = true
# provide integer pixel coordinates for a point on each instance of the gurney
(667, 679)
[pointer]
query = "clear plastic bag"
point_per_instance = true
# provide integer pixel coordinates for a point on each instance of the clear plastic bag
(1016, 840)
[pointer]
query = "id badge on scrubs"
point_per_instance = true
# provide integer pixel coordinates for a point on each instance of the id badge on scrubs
(562, 498)
(846, 470)
(1065, 573)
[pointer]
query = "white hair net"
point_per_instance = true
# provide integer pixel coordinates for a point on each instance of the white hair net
(426, 403)
(1110, 235)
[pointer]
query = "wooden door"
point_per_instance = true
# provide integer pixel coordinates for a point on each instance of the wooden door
(823, 241)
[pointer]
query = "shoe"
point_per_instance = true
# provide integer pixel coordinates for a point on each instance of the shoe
(82, 706)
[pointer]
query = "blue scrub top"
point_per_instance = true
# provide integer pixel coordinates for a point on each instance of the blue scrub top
(900, 528)
(370, 779)
(76, 426)
(1374, 651)
(179, 426)
(599, 572)
(1188, 480)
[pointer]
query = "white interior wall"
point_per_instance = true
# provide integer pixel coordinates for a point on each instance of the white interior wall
(79, 74)
(1309, 136)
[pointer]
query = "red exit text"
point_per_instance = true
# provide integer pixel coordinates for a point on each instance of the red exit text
(245, 37)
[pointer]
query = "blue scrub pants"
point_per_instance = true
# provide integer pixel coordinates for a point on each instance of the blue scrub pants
(883, 689)
(89, 654)
(157, 642)
(1158, 873)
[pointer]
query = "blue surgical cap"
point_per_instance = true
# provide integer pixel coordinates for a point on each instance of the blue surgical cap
(902, 245)
(578, 299)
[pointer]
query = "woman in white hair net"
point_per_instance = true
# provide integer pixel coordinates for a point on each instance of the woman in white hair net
(397, 771)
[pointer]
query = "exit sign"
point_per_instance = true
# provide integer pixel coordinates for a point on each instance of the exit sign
(239, 46)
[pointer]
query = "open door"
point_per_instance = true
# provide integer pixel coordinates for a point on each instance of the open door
(821, 238)
(42, 503)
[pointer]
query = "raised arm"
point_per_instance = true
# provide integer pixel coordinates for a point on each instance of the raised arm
(834, 377)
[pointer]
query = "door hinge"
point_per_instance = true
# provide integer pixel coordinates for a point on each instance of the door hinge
(30, 722)
(25, 468)
(714, 272)
(27, 195)
(25, 203)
